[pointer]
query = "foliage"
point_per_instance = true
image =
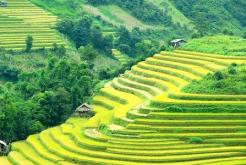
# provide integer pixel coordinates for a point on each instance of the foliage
(82, 33)
(60, 50)
(228, 81)
(29, 43)
(174, 108)
(8, 72)
(87, 53)
(133, 43)
(244, 35)
(212, 16)
(196, 140)
(43, 98)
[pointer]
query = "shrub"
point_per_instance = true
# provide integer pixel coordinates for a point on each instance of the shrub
(61, 51)
(232, 70)
(228, 32)
(195, 140)
(244, 35)
(29, 43)
(234, 64)
(218, 85)
(218, 75)
(174, 108)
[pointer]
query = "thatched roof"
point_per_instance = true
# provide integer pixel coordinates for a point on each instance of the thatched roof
(177, 40)
(3, 143)
(84, 108)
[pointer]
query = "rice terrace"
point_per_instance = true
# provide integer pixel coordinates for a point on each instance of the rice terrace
(148, 85)
(21, 18)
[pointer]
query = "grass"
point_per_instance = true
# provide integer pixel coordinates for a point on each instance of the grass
(229, 81)
(116, 16)
(218, 45)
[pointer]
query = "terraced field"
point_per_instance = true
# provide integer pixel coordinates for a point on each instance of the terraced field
(143, 119)
(22, 18)
(123, 59)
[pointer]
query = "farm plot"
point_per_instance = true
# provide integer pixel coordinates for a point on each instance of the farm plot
(21, 18)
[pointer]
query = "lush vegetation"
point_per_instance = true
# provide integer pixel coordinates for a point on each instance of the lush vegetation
(228, 81)
(42, 98)
(153, 36)
(142, 10)
(176, 15)
(218, 44)
(213, 16)
(82, 33)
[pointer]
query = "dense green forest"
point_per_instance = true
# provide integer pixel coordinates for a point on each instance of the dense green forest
(213, 16)
(33, 101)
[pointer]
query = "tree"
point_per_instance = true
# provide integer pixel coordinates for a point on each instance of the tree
(244, 35)
(88, 53)
(100, 42)
(61, 51)
(65, 26)
(29, 43)
(44, 97)
(82, 31)
(227, 32)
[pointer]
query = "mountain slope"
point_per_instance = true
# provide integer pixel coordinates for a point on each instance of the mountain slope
(213, 16)
(218, 44)
(143, 118)
(116, 16)
(176, 15)
(207, 17)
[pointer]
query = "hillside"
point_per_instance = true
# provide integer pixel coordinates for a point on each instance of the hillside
(144, 101)
(218, 44)
(111, 15)
(142, 114)
(22, 18)
(116, 16)
(221, 82)
(176, 16)
(213, 16)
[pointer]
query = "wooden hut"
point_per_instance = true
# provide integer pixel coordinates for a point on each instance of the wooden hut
(4, 148)
(177, 42)
(84, 110)
(3, 3)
